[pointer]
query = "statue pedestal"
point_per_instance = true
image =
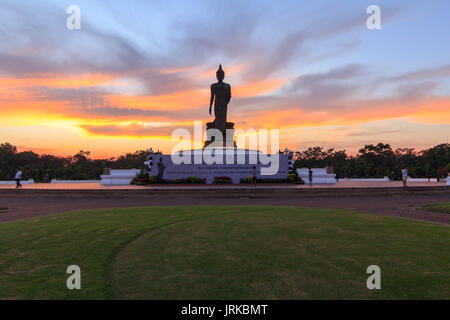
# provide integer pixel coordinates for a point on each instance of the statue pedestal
(212, 163)
(226, 139)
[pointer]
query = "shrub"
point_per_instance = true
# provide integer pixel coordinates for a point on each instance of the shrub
(194, 179)
(140, 181)
(222, 180)
(269, 180)
(189, 180)
(200, 181)
(292, 177)
(143, 173)
(249, 179)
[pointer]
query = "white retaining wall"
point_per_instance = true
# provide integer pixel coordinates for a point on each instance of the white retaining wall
(320, 176)
(29, 181)
(385, 179)
(421, 180)
(73, 181)
(119, 177)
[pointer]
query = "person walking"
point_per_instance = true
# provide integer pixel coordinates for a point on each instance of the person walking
(310, 175)
(18, 177)
(405, 176)
(254, 177)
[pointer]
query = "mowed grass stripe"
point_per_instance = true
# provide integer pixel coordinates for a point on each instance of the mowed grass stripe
(34, 253)
(286, 254)
(222, 253)
(443, 207)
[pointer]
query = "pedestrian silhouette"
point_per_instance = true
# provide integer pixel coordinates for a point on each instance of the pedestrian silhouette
(18, 177)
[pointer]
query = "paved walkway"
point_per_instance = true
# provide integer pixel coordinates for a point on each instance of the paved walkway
(345, 184)
(39, 199)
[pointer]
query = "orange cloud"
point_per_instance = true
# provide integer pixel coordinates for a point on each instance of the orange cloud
(120, 117)
(59, 81)
(432, 110)
(173, 101)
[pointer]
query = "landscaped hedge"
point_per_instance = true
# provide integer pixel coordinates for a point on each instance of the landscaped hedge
(222, 180)
(154, 180)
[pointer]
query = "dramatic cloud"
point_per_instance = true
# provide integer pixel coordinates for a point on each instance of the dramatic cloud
(433, 73)
(131, 130)
(292, 66)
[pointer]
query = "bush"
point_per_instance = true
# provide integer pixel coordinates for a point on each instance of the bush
(249, 179)
(140, 181)
(195, 180)
(273, 181)
(153, 179)
(143, 173)
(292, 177)
(191, 180)
(222, 180)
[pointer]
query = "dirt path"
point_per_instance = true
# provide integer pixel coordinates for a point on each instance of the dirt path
(405, 206)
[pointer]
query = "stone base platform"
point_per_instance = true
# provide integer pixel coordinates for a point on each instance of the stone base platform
(118, 177)
(320, 176)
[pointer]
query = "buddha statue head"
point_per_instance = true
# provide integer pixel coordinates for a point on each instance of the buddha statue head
(220, 74)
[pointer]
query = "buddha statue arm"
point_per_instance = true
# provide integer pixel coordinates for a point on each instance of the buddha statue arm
(228, 94)
(212, 100)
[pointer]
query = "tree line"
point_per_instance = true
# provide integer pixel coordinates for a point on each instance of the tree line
(44, 168)
(371, 161)
(378, 161)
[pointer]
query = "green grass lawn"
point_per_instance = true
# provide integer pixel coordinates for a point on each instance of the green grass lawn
(443, 207)
(223, 252)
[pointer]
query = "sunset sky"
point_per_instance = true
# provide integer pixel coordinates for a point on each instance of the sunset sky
(137, 70)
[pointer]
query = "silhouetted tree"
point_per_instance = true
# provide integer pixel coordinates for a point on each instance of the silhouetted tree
(371, 161)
